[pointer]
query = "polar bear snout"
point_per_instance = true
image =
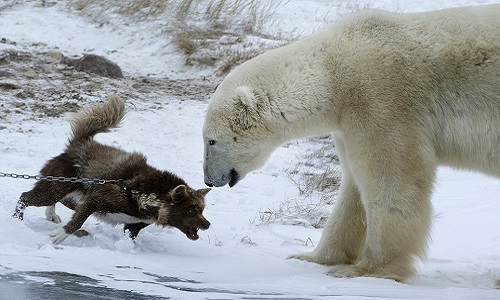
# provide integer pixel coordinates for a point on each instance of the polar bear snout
(220, 178)
(231, 178)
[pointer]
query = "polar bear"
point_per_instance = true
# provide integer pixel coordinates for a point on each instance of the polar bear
(401, 94)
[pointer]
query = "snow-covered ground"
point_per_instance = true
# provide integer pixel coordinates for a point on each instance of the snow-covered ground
(239, 257)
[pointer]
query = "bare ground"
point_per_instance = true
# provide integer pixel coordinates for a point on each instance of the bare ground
(35, 85)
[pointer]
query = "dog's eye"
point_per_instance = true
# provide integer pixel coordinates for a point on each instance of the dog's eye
(211, 142)
(192, 211)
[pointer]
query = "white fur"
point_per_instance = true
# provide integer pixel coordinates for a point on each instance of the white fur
(75, 198)
(50, 214)
(401, 93)
(120, 218)
(72, 199)
(58, 236)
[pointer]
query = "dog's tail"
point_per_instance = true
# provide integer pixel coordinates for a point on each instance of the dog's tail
(97, 119)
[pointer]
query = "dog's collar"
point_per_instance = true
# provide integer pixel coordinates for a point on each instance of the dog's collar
(131, 195)
(121, 184)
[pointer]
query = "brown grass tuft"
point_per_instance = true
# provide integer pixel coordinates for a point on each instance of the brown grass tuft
(317, 177)
(206, 31)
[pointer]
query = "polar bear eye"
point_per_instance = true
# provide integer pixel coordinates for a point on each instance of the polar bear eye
(211, 142)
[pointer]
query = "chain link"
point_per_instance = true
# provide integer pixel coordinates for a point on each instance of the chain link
(65, 179)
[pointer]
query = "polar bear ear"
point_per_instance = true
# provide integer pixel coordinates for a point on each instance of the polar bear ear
(246, 114)
(246, 97)
(253, 98)
(252, 106)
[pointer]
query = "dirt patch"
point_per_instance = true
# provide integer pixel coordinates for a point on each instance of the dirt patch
(36, 85)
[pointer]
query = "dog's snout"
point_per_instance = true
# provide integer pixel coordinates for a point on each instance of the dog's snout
(206, 224)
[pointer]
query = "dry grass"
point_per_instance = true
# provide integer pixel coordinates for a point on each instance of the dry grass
(326, 181)
(206, 31)
(293, 212)
(318, 170)
(213, 33)
(317, 178)
(135, 9)
(235, 58)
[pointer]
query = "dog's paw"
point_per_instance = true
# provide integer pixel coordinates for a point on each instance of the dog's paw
(50, 214)
(81, 233)
(19, 212)
(58, 236)
(18, 215)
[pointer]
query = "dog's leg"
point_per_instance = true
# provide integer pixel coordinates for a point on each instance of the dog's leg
(20, 207)
(42, 194)
(133, 229)
(30, 198)
(73, 199)
(50, 214)
(81, 214)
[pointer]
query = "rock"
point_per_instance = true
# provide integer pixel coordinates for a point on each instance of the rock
(56, 55)
(6, 74)
(95, 64)
(7, 41)
(9, 86)
(30, 73)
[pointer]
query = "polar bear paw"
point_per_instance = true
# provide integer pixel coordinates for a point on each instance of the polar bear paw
(347, 271)
(58, 236)
(350, 271)
(307, 256)
(314, 257)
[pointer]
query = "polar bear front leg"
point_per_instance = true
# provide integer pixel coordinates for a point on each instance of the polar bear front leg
(344, 233)
(395, 187)
(397, 230)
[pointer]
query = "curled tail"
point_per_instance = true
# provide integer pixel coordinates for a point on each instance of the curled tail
(97, 119)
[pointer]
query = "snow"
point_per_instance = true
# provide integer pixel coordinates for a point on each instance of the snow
(239, 257)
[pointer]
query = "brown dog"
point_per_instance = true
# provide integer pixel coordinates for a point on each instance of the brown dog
(146, 196)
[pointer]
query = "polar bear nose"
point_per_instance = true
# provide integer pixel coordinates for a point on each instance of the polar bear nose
(230, 177)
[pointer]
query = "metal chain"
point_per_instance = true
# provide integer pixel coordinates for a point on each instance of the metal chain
(65, 179)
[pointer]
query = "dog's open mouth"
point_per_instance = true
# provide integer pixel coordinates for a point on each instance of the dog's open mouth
(192, 233)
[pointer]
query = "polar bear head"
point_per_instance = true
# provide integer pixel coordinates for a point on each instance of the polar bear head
(239, 133)
(260, 105)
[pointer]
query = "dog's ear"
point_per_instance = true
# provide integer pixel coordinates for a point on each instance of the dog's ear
(204, 192)
(178, 193)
